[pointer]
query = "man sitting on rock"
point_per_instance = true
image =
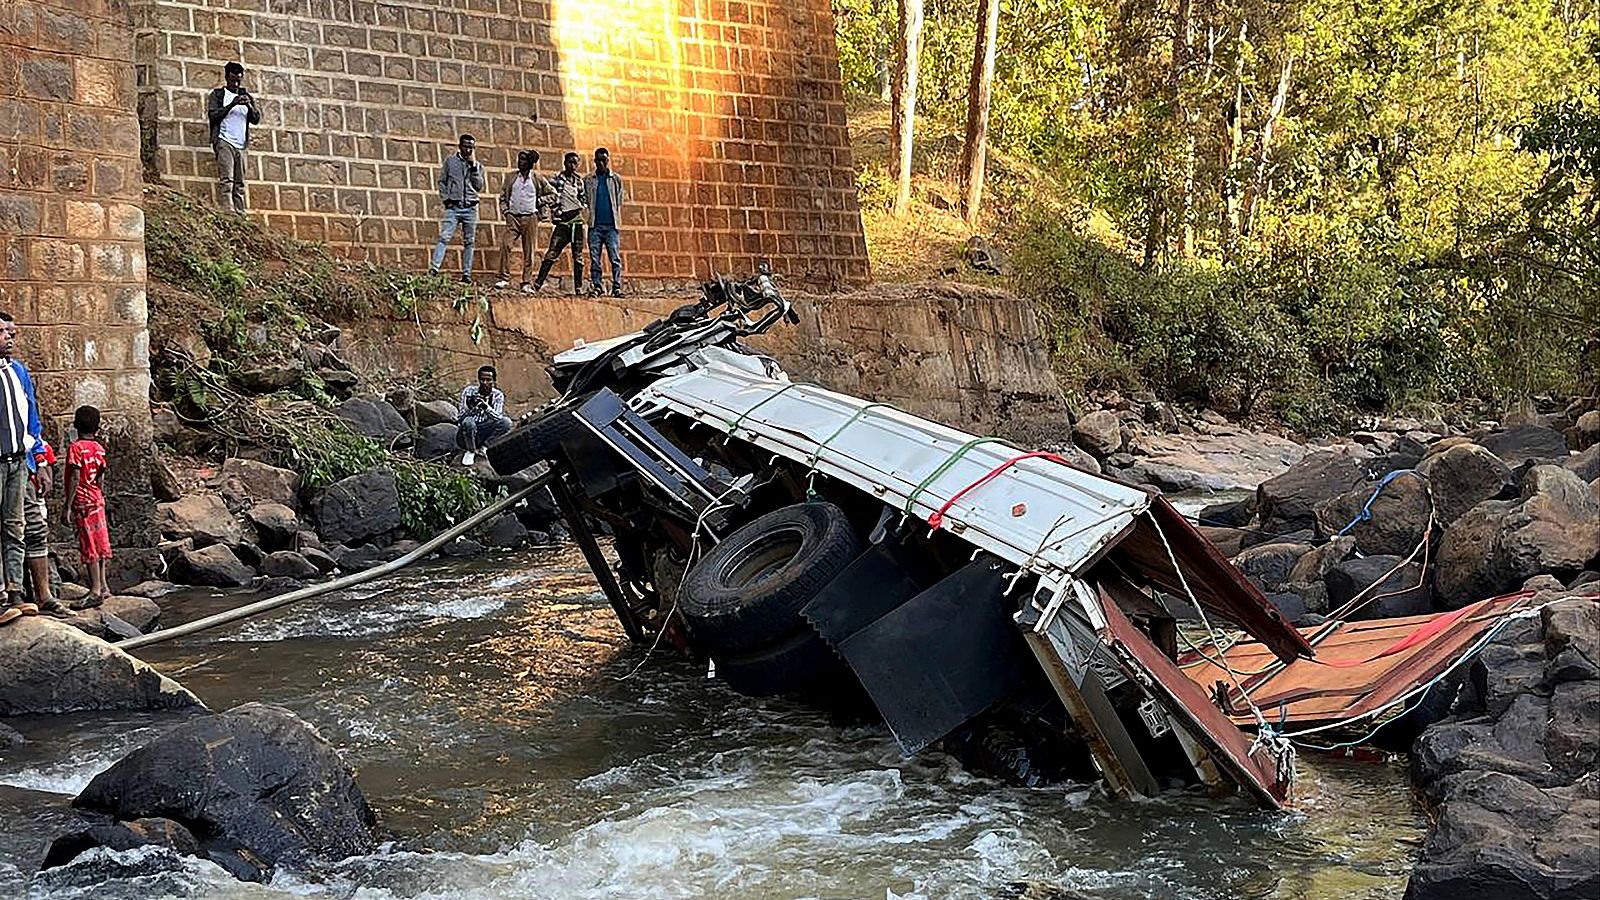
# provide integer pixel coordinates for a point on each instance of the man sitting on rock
(482, 414)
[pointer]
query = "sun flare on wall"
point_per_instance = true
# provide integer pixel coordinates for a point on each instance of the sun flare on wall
(625, 82)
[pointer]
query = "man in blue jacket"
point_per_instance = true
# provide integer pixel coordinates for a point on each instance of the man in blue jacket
(20, 435)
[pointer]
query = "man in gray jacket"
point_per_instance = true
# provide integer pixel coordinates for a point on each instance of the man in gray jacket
(230, 111)
(460, 180)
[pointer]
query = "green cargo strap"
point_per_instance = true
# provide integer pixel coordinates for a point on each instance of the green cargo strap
(816, 455)
(945, 466)
(734, 425)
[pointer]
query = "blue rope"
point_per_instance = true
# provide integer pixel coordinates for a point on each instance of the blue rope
(1366, 509)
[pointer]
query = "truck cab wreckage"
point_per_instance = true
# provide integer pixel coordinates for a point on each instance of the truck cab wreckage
(1002, 601)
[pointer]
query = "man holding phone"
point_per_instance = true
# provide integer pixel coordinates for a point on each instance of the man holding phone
(231, 111)
(460, 180)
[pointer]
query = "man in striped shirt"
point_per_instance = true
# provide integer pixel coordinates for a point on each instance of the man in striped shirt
(20, 433)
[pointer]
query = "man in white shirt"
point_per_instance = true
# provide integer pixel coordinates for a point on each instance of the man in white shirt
(231, 111)
(520, 198)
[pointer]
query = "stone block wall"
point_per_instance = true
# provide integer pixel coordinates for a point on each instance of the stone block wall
(72, 264)
(726, 118)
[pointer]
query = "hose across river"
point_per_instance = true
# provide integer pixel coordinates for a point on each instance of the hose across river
(351, 580)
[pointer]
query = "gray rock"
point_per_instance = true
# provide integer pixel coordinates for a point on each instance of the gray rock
(1463, 476)
(276, 525)
(1228, 541)
(216, 566)
(1100, 433)
(257, 786)
(1291, 605)
(462, 548)
(1315, 565)
(1588, 425)
(140, 612)
(506, 532)
(435, 442)
(359, 507)
(266, 377)
(246, 481)
(100, 830)
(1574, 625)
(1232, 515)
(1585, 465)
(250, 554)
(1268, 566)
(202, 518)
(164, 486)
(1526, 442)
(1498, 545)
(376, 419)
(435, 412)
(150, 589)
(289, 564)
(1291, 499)
(307, 540)
(1398, 516)
(52, 667)
(10, 737)
(1403, 593)
(317, 557)
(364, 557)
(1571, 742)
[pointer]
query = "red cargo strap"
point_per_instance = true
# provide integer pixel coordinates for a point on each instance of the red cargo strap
(1424, 632)
(935, 520)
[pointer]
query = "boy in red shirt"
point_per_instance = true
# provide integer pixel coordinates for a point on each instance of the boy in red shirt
(86, 502)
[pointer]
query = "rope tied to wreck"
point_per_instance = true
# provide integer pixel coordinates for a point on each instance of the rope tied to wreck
(816, 455)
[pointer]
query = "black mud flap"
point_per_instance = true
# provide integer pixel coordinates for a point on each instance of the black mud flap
(930, 662)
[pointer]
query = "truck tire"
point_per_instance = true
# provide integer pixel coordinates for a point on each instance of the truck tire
(746, 593)
(536, 442)
(796, 664)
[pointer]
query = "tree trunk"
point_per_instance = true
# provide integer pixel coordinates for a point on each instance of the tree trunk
(978, 94)
(905, 102)
(1232, 147)
(1258, 182)
(1182, 54)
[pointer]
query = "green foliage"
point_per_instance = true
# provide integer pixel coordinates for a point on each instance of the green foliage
(432, 497)
(1420, 223)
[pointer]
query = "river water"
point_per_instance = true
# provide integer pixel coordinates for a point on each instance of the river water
(514, 746)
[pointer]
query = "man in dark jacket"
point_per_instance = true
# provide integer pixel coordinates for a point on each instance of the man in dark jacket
(460, 180)
(230, 111)
(602, 195)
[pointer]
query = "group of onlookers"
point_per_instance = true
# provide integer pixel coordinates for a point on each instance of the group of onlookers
(26, 481)
(572, 202)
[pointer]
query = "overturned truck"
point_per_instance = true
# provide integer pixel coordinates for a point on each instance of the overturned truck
(999, 600)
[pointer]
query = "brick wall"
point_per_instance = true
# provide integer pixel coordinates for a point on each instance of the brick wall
(725, 118)
(71, 230)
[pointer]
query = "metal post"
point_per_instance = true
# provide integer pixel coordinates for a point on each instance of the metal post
(596, 558)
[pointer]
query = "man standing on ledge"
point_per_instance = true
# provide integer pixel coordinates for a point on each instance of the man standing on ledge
(602, 192)
(460, 180)
(566, 216)
(231, 111)
(520, 199)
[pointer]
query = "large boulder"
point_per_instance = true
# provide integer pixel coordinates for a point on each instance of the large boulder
(1386, 587)
(1518, 445)
(1499, 544)
(246, 481)
(276, 525)
(506, 532)
(1315, 565)
(435, 441)
(214, 566)
(1585, 465)
(359, 507)
(376, 419)
(1237, 514)
(1397, 517)
(52, 667)
(435, 412)
(140, 612)
(256, 787)
(289, 564)
(1099, 432)
(1291, 499)
(1512, 775)
(1463, 476)
(1268, 566)
(202, 518)
(1225, 460)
